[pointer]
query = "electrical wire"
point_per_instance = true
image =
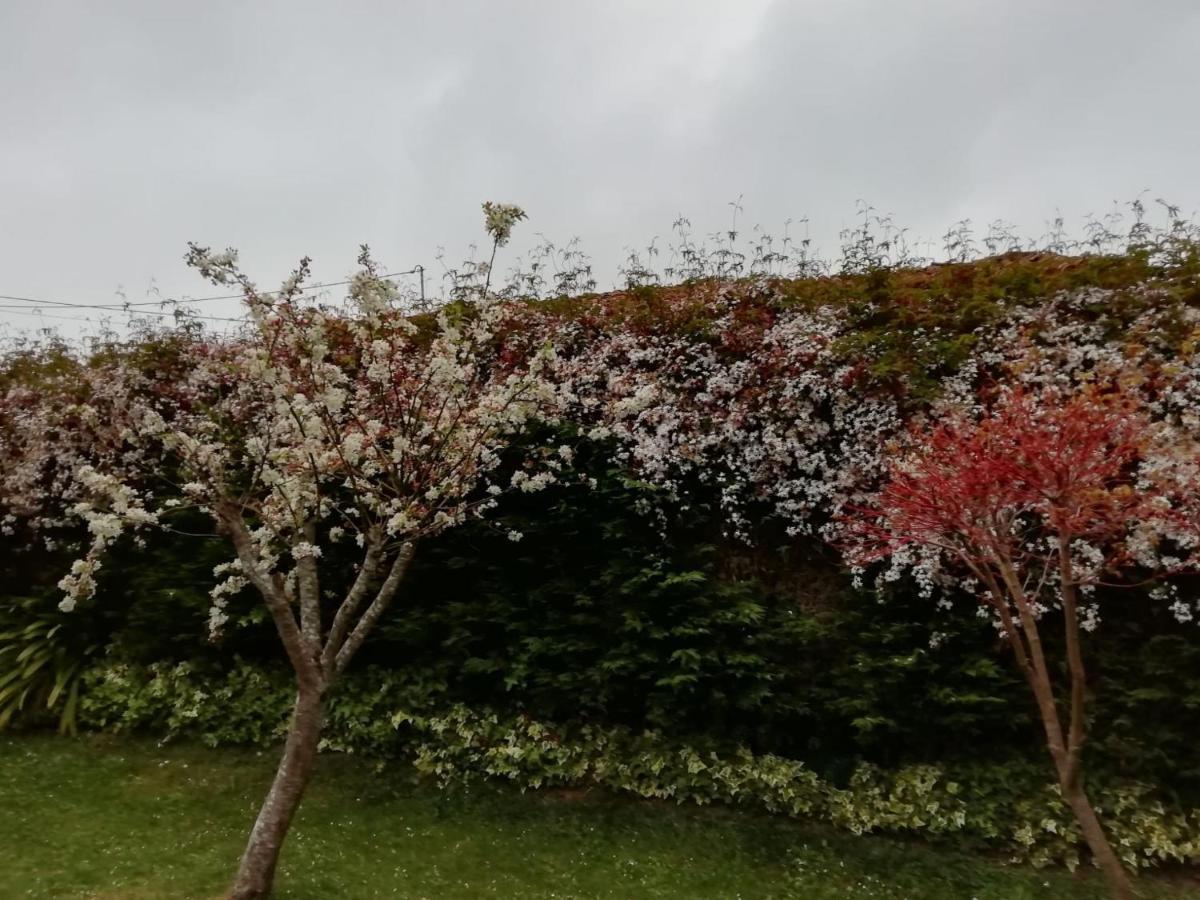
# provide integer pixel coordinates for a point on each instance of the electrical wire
(23, 302)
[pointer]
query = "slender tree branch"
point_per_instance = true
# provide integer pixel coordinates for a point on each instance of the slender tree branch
(1077, 726)
(302, 656)
(346, 612)
(377, 608)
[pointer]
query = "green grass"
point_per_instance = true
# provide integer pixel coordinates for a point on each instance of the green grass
(110, 818)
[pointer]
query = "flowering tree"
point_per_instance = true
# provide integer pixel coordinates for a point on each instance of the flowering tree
(314, 429)
(1032, 507)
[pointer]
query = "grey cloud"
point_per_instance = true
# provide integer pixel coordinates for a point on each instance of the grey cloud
(288, 128)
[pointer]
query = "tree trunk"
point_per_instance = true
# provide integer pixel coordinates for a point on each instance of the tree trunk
(1066, 750)
(1119, 887)
(1069, 779)
(257, 870)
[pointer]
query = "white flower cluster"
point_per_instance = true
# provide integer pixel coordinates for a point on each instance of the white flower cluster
(111, 508)
(781, 429)
(499, 219)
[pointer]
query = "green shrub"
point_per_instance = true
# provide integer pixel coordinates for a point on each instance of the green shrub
(1008, 807)
(596, 615)
(43, 654)
(246, 705)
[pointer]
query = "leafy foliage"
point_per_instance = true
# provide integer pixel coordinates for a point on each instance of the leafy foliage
(785, 656)
(43, 656)
(1005, 806)
(721, 427)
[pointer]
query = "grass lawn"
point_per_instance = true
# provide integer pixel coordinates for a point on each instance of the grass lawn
(102, 817)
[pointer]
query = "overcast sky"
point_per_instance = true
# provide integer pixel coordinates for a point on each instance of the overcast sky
(292, 128)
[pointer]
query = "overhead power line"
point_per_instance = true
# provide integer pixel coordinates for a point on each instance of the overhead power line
(29, 303)
(38, 312)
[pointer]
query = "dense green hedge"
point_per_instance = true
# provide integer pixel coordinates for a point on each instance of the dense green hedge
(653, 643)
(1006, 806)
(596, 617)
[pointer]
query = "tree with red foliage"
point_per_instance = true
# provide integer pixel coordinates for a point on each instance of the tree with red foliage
(1032, 505)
